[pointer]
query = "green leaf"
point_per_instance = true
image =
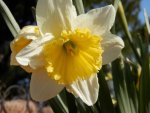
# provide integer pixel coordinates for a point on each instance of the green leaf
(57, 105)
(144, 106)
(131, 87)
(147, 21)
(9, 19)
(71, 102)
(124, 100)
(79, 6)
(127, 32)
(81, 106)
(106, 105)
(116, 4)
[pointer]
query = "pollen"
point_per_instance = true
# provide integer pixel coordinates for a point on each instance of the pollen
(75, 55)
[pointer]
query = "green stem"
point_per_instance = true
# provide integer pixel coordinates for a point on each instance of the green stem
(9, 19)
(129, 36)
(62, 103)
(104, 94)
(79, 6)
(147, 21)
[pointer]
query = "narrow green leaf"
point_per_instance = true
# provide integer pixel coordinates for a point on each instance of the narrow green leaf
(81, 107)
(104, 96)
(147, 21)
(144, 106)
(91, 109)
(9, 19)
(120, 86)
(129, 36)
(57, 105)
(116, 4)
(71, 102)
(62, 103)
(140, 43)
(79, 6)
(131, 87)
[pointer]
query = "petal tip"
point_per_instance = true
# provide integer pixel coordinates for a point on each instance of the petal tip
(22, 61)
(87, 90)
(112, 7)
(120, 43)
(43, 88)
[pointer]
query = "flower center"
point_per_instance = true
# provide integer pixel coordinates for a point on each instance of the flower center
(70, 48)
(74, 55)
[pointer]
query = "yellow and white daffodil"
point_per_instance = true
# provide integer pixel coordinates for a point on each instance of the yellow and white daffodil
(69, 51)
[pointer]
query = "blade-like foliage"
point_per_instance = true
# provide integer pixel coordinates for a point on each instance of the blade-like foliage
(120, 87)
(104, 96)
(9, 19)
(147, 21)
(145, 78)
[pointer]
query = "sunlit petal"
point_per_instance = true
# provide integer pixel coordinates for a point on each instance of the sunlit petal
(42, 87)
(53, 16)
(99, 20)
(32, 53)
(112, 46)
(87, 90)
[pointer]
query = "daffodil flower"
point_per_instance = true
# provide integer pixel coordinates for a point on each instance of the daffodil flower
(71, 50)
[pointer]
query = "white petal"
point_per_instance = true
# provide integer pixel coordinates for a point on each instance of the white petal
(53, 16)
(87, 90)
(32, 52)
(98, 20)
(26, 33)
(42, 87)
(112, 46)
(29, 32)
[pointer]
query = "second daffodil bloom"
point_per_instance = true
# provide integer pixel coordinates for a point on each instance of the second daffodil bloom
(70, 51)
